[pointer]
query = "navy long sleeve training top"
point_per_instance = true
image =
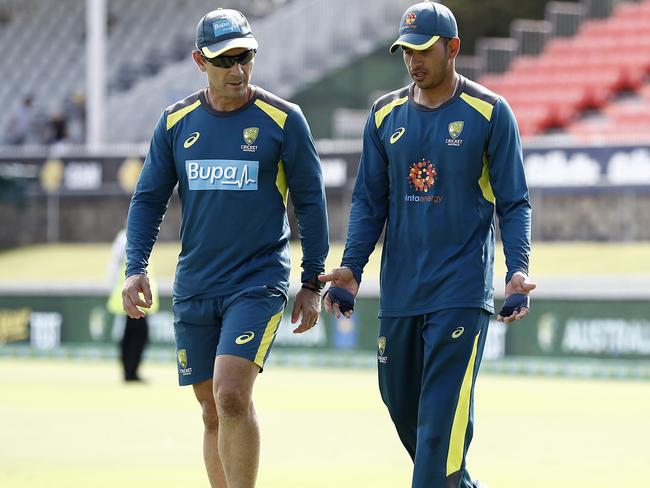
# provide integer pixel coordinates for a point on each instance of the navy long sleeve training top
(434, 178)
(233, 171)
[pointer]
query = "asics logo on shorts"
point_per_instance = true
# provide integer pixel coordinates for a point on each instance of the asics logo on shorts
(457, 332)
(245, 337)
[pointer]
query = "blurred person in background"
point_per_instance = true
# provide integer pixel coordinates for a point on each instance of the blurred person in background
(22, 123)
(75, 118)
(234, 150)
(57, 131)
(439, 157)
(136, 330)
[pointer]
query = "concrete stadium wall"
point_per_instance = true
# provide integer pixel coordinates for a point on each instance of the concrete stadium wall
(594, 216)
(578, 193)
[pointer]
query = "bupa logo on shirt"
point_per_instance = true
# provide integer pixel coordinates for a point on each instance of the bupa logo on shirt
(222, 174)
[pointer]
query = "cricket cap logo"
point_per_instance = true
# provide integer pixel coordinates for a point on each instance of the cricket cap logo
(455, 128)
(381, 345)
(250, 134)
(182, 358)
(410, 17)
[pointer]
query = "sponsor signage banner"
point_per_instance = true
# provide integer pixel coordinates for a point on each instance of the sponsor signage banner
(587, 166)
(592, 329)
(554, 328)
(546, 167)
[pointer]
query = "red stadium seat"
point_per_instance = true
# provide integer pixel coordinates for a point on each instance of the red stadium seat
(584, 72)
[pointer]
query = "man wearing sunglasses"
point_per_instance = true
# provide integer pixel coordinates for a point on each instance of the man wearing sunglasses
(235, 151)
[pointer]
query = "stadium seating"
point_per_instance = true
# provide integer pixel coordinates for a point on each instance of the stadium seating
(628, 118)
(327, 41)
(571, 75)
(148, 64)
(44, 52)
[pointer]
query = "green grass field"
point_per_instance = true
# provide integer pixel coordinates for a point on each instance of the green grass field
(88, 262)
(72, 424)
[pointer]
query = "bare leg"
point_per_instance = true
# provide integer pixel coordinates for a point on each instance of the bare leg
(239, 435)
(204, 395)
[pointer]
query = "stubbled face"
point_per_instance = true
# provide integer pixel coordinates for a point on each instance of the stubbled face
(228, 83)
(428, 68)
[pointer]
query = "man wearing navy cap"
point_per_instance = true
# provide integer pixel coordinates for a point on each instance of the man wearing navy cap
(235, 151)
(439, 157)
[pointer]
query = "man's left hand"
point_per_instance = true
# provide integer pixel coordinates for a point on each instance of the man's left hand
(307, 304)
(519, 283)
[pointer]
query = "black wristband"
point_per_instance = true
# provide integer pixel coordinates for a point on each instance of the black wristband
(315, 284)
(307, 287)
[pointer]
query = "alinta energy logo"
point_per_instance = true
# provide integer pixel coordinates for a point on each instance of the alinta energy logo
(421, 178)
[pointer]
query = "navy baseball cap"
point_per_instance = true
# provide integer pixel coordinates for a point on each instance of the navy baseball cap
(221, 30)
(423, 24)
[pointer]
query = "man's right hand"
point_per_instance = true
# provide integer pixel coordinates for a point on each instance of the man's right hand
(341, 278)
(134, 287)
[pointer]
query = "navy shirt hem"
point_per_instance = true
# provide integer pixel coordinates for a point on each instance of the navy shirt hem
(487, 306)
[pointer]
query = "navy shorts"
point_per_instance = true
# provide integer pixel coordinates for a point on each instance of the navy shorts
(243, 324)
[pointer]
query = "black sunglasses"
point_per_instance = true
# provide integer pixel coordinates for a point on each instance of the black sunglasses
(229, 61)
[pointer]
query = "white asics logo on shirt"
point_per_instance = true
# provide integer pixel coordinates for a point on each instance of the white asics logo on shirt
(397, 134)
(194, 136)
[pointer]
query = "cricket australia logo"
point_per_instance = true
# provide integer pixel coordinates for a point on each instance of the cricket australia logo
(455, 128)
(250, 136)
(381, 349)
(409, 20)
(182, 362)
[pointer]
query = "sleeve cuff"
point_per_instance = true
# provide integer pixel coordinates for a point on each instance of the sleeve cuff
(509, 274)
(356, 272)
(134, 271)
